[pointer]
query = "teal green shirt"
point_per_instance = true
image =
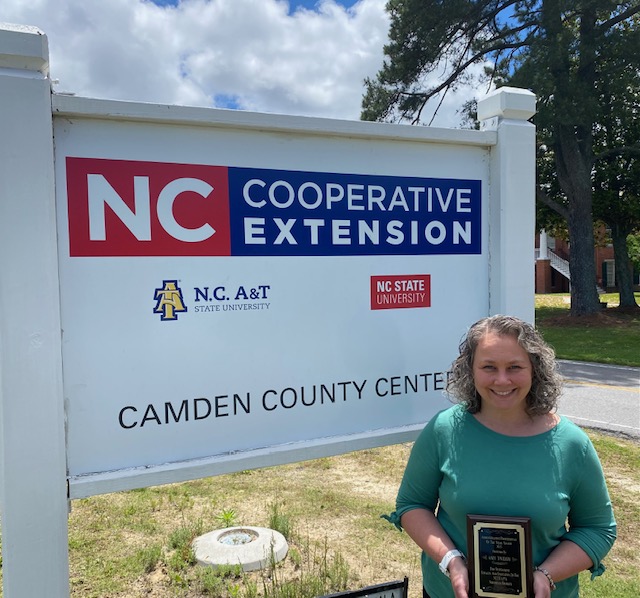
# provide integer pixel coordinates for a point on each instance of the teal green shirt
(555, 478)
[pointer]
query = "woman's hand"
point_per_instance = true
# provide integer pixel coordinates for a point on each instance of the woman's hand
(459, 576)
(426, 531)
(565, 560)
(541, 587)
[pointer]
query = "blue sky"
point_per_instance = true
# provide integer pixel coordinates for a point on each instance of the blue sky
(294, 4)
(311, 4)
(233, 54)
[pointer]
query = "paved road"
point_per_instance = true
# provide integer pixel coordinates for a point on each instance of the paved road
(605, 397)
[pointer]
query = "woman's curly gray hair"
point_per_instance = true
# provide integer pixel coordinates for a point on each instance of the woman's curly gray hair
(546, 384)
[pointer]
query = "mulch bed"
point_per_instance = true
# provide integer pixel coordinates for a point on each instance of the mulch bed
(611, 316)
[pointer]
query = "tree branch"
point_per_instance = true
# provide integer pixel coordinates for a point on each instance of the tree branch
(632, 150)
(619, 18)
(459, 69)
(543, 198)
(485, 19)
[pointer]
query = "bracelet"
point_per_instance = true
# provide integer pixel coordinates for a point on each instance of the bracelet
(444, 563)
(552, 584)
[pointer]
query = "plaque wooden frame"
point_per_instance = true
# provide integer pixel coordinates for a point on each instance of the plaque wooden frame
(499, 557)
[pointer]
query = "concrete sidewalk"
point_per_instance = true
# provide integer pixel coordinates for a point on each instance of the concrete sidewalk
(604, 397)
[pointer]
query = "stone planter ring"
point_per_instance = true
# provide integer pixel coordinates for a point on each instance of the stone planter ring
(252, 548)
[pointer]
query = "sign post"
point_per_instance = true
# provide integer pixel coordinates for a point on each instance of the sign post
(33, 454)
(513, 204)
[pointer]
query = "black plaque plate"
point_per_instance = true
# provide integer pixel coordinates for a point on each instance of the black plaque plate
(499, 557)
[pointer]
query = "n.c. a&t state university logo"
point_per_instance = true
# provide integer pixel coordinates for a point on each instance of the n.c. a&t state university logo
(169, 301)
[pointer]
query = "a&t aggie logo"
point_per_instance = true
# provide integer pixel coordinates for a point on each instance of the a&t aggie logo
(169, 301)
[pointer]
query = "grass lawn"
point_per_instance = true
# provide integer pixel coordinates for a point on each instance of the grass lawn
(135, 544)
(611, 336)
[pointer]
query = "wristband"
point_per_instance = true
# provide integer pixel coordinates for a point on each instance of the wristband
(446, 559)
(552, 584)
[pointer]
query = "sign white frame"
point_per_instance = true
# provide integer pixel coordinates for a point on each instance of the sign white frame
(35, 489)
(72, 112)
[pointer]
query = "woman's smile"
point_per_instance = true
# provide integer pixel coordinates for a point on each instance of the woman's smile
(502, 373)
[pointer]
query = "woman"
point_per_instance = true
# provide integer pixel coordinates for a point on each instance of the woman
(502, 450)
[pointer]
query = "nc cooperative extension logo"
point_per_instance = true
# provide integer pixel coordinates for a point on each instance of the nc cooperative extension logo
(136, 208)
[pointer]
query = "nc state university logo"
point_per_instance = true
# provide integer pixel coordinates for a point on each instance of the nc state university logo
(127, 208)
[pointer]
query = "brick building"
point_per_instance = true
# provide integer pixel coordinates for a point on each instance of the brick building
(552, 265)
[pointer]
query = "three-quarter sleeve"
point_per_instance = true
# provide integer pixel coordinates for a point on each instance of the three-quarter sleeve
(422, 476)
(591, 522)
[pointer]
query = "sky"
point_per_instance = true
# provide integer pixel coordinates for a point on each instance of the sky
(298, 57)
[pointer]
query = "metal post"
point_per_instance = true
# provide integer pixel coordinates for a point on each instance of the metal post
(32, 454)
(512, 209)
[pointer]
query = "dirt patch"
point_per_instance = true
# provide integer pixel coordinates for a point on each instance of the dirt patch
(612, 316)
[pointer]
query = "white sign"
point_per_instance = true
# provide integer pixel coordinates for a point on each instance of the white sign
(221, 297)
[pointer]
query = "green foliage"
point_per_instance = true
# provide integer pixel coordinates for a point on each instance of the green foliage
(180, 541)
(633, 245)
(581, 59)
(321, 572)
(227, 518)
(616, 172)
(295, 557)
(149, 557)
(184, 536)
(220, 581)
(180, 498)
(338, 572)
(279, 521)
(548, 47)
(211, 583)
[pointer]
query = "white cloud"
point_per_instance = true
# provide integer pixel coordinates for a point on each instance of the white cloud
(249, 54)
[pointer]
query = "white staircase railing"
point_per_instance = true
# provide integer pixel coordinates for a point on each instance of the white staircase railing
(561, 265)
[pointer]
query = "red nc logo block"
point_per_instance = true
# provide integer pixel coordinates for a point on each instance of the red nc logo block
(129, 208)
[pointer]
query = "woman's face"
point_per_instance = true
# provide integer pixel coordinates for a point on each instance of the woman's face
(502, 373)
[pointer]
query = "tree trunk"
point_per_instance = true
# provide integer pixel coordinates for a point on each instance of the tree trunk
(573, 164)
(584, 293)
(624, 270)
(575, 109)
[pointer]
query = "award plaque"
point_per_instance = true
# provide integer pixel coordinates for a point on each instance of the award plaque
(499, 557)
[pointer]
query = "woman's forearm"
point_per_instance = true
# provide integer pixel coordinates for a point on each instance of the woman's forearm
(425, 530)
(566, 560)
